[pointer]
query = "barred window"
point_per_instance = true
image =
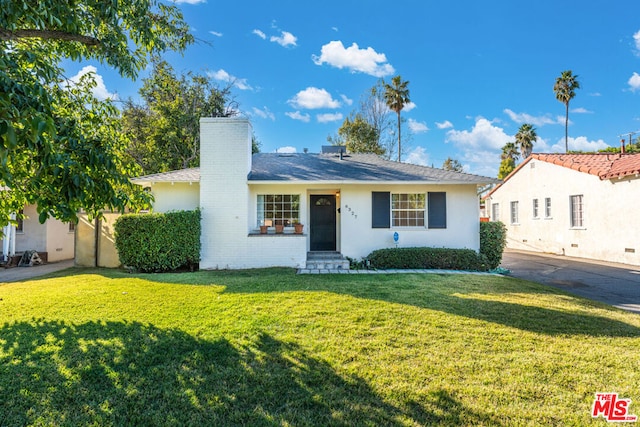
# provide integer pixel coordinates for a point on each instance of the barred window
(514, 213)
(278, 209)
(407, 210)
(577, 213)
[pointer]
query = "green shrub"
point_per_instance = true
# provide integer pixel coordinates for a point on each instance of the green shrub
(493, 239)
(159, 241)
(432, 258)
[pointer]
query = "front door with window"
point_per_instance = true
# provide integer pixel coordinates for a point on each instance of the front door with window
(322, 230)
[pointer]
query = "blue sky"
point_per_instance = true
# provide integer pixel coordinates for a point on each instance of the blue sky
(477, 70)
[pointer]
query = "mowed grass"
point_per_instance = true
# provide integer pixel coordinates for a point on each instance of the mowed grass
(272, 348)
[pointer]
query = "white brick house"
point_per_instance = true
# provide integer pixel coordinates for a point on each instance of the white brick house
(349, 204)
(581, 205)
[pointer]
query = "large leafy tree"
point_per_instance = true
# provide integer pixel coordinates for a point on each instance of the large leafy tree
(397, 96)
(60, 148)
(371, 127)
(165, 127)
(451, 164)
(359, 136)
(525, 137)
(565, 90)
(508, 159)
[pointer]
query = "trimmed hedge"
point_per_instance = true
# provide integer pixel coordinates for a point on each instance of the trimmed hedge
(493, 239)
(159, 241)
(432, 258)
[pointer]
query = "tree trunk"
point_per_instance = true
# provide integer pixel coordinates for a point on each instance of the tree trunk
(399, 143)
(566, 129)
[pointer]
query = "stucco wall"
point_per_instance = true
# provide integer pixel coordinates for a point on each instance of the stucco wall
(355, 236)
(175, 196)
(608, 233)
(86, 240)
(52, 237)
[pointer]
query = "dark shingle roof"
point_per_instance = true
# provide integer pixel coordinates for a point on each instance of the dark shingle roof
(352, 167)
(299, 167)
(181, 175)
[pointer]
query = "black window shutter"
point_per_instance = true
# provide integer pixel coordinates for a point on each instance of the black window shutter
(437, 210)
(380, 209)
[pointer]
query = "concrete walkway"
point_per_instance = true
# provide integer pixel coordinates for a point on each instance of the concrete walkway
(391, 271)
(19, 274)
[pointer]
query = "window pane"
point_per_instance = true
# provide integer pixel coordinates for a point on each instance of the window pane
(278, 209)
(408, 210)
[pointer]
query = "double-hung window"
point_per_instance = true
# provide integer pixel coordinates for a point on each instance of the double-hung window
(278, 209)
(407, 210)
(535, 209)
(577, 213)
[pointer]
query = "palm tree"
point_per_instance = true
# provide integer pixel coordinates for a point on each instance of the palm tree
(525, 138)
(396, 95)
(564, 89)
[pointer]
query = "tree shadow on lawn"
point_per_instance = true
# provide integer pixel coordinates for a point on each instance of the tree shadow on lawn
(464, 301)
(421, 290)
(118, 373)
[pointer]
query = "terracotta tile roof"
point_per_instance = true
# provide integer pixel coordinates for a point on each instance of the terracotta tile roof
(603, 165)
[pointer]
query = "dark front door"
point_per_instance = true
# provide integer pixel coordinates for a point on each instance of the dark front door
(323, 223)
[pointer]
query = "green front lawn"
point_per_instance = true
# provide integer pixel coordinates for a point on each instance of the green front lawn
(268, 347)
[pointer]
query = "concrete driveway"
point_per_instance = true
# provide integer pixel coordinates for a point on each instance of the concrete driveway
(19, 274)
(614, 284)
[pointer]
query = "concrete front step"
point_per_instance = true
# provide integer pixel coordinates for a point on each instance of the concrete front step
(326, 261)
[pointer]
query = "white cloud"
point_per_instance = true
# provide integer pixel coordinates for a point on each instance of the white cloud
(483, 135)
(409, 106)
(312, 98)
(346, 100)
(329, 117)
(634, 82)
(215, 33)
(260, 34)
(264, 113)
(223, 76)
(418, 156)
(417, 127)
(286, 149)
(580, 143)
(444, 125)
(285, 39)
(296, 115)
(636, 38)
(581, 110)
(479, 148)
(534, 120)
(366, 61)
(100, 90)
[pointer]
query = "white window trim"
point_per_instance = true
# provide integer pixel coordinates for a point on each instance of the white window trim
(423, 210)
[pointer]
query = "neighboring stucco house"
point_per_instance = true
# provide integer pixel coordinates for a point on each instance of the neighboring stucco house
(350, 204)
(581, 205)
(54, 237)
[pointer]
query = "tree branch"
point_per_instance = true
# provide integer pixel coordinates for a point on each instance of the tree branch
(48, 35)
